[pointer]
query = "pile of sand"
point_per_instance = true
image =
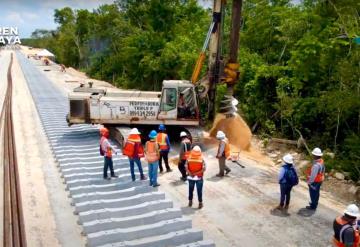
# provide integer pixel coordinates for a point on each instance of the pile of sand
(236, 130)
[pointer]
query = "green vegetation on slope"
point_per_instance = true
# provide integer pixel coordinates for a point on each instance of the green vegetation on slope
(300, 69)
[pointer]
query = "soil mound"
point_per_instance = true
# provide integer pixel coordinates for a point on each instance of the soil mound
(236, 130)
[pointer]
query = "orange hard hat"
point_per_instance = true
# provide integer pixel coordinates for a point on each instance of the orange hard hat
(104, 131)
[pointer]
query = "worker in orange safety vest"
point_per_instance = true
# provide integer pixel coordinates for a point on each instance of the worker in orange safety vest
(223, 153)
(345, 228)
(152, 155)
(107, 150)
(163, 140)
(315, 177)
(195, 167)
(135, 151)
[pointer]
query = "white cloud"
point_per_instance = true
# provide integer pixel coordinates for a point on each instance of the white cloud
(14, 17)
(30, 16)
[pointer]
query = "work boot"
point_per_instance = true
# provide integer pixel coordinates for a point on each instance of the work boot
(310, 208)
(142, 177)
(190, 203)
(200, 205)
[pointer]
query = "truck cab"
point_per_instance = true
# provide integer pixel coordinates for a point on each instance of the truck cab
(178, 101)
(176, 105)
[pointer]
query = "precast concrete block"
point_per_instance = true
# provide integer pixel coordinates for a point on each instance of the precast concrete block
(111, 194)
(131, 233)
(169, 239)
(114, 203)
(131, 221)
(121, 212)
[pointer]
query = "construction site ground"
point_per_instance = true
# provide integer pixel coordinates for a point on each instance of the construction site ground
(238, 209)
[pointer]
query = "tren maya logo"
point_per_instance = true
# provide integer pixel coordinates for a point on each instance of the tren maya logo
(9, 36)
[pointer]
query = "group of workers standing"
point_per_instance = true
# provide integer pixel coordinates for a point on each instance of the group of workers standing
(191, 162)
(192, 167)
(346, 226)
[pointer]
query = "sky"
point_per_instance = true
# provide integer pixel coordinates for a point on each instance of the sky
(29, 15)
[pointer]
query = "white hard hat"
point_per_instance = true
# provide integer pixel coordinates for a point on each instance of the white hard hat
(134, 131)
(352, 210)
(288, 158)
(317, 152)
(197, 149)
(183, 134)
(220, 135)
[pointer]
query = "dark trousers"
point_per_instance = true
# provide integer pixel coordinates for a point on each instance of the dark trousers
(132, 170)
(314, 191)
(164, 155)
(285, 191)
(182, 168)
(199, 186)
(108, 163)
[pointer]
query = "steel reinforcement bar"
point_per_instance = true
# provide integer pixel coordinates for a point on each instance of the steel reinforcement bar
(14, 230)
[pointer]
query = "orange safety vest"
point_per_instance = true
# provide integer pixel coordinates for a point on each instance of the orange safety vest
(129, 147)
(161, 140)
(152, 152)
(340, 225)
(107, 150)
(227, 149)
(321, 175)
(187, 151)
(195, 164)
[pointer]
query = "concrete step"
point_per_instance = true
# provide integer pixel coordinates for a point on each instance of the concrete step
(70, 175)
(165, 240)
(120, 212)
(114, 203)
(96, 180)
(132, 233)
(88, 170)
(112, 194)
(131, 221)
(203, 243)
(108, 185)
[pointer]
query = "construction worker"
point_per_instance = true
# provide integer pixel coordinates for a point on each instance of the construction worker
(195, 167)
(134, 150)
(163, 140)
(315, 177)
(345, 228)
(223, 153)
(152, 155)
(185, 149)
(107, 150)
(287, 179)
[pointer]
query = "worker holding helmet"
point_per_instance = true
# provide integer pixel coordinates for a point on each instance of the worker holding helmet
(223, 153)
(195, 167)
(315, 177)
(185, 148)
(152, 155)
(163, 140)
(345, 228)
(107, 150)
